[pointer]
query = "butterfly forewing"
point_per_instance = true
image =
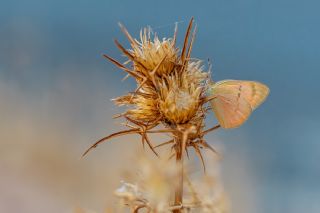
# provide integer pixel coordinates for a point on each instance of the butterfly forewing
(234, 100)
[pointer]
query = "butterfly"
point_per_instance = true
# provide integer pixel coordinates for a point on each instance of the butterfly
(234, 100)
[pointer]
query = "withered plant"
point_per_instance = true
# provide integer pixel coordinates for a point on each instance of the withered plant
(171, 97)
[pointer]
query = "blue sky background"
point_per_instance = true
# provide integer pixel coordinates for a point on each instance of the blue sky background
(51, 65)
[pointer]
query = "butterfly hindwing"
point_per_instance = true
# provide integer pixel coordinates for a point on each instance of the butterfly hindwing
(235, 100)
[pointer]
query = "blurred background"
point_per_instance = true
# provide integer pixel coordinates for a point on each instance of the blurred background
(55, 91)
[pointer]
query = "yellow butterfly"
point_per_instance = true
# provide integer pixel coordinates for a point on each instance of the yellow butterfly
(234, 100)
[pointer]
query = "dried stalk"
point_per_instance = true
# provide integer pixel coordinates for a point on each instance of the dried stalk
(178, 200)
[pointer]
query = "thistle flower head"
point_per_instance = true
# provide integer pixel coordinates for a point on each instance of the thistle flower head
(170, 84)
(179, 98)
(148, 53)
(144, 102)
(171, 91)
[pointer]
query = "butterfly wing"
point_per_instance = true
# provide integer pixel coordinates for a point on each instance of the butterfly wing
(235, 100)
(230, 111)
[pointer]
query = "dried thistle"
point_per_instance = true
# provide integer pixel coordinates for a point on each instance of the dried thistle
(173, 91)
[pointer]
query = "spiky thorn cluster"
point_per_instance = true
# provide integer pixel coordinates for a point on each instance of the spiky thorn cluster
(171, 91)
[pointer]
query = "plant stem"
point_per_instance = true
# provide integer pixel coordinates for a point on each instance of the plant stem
(179, 186)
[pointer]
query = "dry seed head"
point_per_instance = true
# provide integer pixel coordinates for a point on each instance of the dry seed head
(169, 87)
(144, 102)
(171, 90)
(179, 103)
(128, 191)
(181, 94)
(149, 53)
